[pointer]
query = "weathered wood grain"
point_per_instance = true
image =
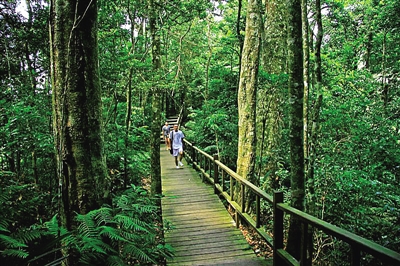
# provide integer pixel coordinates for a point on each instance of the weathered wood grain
(202, 231)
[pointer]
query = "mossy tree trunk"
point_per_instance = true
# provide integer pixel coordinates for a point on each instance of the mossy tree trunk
(77, 121)
(247, 94)
(296, 93)
(155, 101)
(271, 98)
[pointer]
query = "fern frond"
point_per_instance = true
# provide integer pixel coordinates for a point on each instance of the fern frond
(87, 226)
(166, 251)
(95, 245)
(3, 227)
(103, 216)
(138, 253)
(132, 237)
(28, 235)
(54, 228)
(115, 261)
(111, 233)
(88, 258)
(144, 208)
(131, 223)
(11, 242)
(19, 253)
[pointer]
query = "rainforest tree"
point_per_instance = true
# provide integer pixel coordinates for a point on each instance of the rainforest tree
(247, 92)
(77, 110)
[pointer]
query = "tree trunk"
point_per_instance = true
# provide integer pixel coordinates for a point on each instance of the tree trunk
(156, 103)
(270, 99)
(296, 93)
(247, 94)
(315, 116)
(77, 123)
(306, 75)
(128, 125)
(239, 35)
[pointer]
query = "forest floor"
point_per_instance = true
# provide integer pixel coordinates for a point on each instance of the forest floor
(258, 244)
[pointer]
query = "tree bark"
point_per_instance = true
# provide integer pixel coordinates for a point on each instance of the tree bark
(270, 99)
(311, 147)
(296, 93)
(247, 93)
(77, 122)
(156, 103)
(306, 75)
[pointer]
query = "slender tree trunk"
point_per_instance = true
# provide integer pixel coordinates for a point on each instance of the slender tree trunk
(296, 94)
(247, 93)
(77, 123)
(306, 75)
(315, 116)
(128, 125)
(318, 45)
(156, 103)
(385, 87)
(239, 35)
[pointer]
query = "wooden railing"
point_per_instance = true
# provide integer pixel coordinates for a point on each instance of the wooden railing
(216, 173)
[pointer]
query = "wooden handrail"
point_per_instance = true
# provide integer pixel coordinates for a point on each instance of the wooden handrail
(210, 168)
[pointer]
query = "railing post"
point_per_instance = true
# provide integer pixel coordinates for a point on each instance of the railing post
(193, 154)
(223, 181)
(258, 211)
(278, 228)
(242, 192)
(215, 173)
(231, 188)
(210, 162)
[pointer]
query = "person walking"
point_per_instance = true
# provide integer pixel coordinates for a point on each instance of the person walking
(166, 130)
(176, 139)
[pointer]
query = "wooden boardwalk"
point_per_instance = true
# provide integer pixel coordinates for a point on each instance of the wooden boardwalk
(203, 232)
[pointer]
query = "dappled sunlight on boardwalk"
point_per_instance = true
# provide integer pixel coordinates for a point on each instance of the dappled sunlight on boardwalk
(203, 232)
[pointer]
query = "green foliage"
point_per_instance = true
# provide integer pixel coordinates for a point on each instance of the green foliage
(120, 235)
(15, 237)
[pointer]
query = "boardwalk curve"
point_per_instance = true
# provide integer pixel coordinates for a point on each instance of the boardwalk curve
(203, 231)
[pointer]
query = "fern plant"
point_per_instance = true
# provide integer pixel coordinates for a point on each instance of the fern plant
(9, 245)
(124, 234)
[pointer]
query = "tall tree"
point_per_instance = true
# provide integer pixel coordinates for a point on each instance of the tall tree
(77, 112)
(247, 92)
(156, 102)
(296, 93)
(271, 95)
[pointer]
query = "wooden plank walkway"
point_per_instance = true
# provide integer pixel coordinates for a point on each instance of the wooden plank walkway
(203, 231)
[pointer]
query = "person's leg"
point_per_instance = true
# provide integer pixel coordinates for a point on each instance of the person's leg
(166, 141)
(180, 156)
(176, 160)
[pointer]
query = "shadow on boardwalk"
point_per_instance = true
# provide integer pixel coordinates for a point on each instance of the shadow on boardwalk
(203, 232)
